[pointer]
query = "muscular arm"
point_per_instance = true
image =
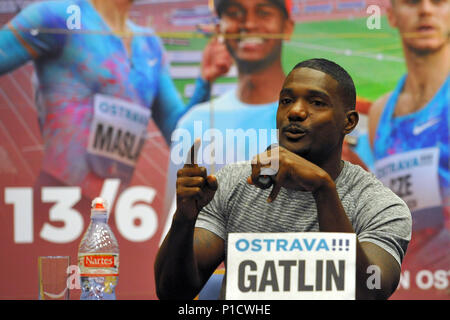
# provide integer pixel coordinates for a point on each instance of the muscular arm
(374, 117)
(188, 255)
(332, 218)
(19, 45)
(169, 107)
(186, 260)
(13, 50)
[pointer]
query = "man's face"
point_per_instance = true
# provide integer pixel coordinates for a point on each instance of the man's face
(254, 30)
(311, 115)
(424, 25)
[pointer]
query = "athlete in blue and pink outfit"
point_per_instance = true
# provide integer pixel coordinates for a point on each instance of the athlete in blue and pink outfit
(98, 91)
(409, 132)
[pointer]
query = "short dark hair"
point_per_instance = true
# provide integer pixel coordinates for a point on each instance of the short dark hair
(284, 5)
(345, 82)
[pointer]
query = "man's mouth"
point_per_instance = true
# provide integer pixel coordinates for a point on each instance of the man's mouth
(294, 132)
(248, 42)
(426, 28)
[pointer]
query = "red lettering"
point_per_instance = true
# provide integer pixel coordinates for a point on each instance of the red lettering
(99, 261)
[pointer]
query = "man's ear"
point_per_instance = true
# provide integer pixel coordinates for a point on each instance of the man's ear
(390, 15)
(289, 26)
(351, 118)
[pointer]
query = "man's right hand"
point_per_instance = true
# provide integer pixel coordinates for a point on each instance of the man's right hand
(195, 189)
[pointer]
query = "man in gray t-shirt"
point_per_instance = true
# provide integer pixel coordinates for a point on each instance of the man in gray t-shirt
(377, 215)
(312, 189)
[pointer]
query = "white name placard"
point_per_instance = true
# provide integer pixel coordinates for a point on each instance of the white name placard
(296, 266)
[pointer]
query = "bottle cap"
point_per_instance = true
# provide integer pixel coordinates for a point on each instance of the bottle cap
(99, 205)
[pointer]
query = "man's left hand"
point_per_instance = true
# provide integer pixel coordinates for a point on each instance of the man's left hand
(294, 172)
(216, 60)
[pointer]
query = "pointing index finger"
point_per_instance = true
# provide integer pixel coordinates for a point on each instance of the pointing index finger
(191, 160)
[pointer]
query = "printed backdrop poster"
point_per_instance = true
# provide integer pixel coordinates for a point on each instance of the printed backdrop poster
(42, 215)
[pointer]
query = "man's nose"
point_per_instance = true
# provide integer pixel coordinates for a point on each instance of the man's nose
(250, 21)
(425, 7)
(298, 112)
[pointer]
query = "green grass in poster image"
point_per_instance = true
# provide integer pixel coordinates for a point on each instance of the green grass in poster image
(373, 58)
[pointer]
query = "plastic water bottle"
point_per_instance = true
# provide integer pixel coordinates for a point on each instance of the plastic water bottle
(98, 256)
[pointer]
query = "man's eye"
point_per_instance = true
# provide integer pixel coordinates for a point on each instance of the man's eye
(317, 103)
(285, 100)
(234, 13)
(267, 10)
(264, 13)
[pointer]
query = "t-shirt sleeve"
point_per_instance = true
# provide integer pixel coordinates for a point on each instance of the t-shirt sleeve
(38, 27)
(383, 219)
(213, 216)
(169, 106)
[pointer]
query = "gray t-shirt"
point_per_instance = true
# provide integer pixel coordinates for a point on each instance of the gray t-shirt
(376, 213)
